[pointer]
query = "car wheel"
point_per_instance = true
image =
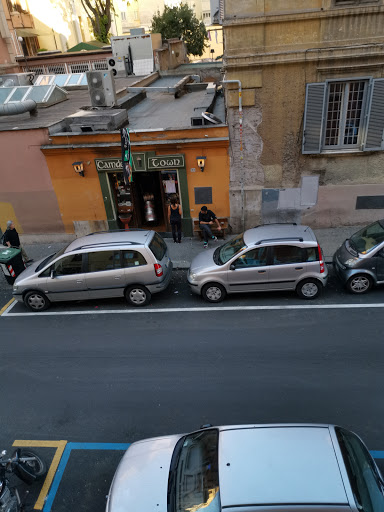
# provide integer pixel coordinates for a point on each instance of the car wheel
(137, 295)
(213, 292)
(309, 289)
(360, 283)
(36, 301)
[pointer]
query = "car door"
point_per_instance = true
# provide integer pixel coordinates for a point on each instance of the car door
(288, 263)
(378, 262)
(136, 268)
(249, 272)
(104, 274)
(66, 280)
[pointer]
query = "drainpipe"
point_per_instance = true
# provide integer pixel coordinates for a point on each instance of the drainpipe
(241, 146)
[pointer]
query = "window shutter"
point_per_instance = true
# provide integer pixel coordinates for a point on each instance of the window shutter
(375, 125)
(313, 118)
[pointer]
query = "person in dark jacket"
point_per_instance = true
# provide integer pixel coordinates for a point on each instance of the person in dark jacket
(11, 239)
(174, 217)
(206, 219)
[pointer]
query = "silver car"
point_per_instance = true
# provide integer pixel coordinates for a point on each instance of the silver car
(134, 264)
(249, 468)
(359, 262)
(266, 258)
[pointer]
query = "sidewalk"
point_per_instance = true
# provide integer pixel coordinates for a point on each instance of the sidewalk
(38, 246)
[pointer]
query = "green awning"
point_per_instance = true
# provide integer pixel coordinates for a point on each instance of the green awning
(89, 46)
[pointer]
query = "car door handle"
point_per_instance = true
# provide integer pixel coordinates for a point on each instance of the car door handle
(79, 281)
(262, 271)
(299, 268)
(118, 277)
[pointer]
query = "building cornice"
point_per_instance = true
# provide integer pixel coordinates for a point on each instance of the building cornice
(312, 14)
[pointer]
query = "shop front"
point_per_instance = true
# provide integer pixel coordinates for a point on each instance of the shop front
(143, 203)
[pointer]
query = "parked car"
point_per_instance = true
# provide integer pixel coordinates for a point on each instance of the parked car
(134, 264)
(359, 262)
(250, 468)
(271, 257)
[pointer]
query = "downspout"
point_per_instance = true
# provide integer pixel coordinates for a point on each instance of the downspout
(241, 146)
(19, 107)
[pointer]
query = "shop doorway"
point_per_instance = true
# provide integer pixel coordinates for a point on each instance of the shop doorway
(144, 202)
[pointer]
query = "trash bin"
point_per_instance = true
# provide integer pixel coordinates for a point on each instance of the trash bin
(11, 263)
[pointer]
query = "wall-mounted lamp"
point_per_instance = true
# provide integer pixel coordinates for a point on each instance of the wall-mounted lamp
(201, 162)
(79, 168)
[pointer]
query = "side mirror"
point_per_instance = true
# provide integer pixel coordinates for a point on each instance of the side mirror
(232, 266)
(53, 274)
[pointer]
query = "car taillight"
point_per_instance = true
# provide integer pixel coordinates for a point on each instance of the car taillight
(158, 269)
(322, 269)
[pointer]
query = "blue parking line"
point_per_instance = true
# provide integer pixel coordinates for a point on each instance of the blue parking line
(376, 454)
(64, 460)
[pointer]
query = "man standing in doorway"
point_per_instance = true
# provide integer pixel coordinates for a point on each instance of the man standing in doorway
(206, 219)
(11, 239)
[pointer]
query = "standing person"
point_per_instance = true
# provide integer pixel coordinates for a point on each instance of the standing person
(174, 217)
(206, 219)
(11, 239)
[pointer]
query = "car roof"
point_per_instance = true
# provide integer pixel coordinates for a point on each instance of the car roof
(271, 232)
(105, 239)
(279, 464)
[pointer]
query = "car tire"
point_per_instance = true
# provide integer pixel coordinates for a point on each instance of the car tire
(360, 283)
(309, 289)
(137, 295)
(213, 292)
(36, 301)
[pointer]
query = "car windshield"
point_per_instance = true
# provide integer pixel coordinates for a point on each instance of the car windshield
(230, 249)
(194, 478)
(50, 257)
(367, 238)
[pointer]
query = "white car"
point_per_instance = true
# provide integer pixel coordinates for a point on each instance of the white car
(249, 468)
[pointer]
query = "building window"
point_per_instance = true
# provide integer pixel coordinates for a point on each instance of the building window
(343, 116)
(123, 16)
(347, 3)
(344, 113)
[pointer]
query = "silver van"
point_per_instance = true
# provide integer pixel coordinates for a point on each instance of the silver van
(359, 262)
(133, 264)
(271, 257)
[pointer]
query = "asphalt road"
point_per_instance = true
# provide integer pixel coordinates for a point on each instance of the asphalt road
(115, 378)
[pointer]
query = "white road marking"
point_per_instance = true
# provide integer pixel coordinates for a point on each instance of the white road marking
(194, 310)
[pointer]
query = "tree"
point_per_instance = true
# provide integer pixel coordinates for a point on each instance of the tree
(99, 12)
(181, 22)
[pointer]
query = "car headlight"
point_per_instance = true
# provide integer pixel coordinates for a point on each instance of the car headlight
(192, 276)
(15, 288)
(351, 262)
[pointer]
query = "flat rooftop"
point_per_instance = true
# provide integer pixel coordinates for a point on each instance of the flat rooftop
(159, 110)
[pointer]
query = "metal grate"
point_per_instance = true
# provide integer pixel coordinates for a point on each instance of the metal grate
(57, 69)
(78, 67)
(355, 105)
(100, 65)
(333, 117)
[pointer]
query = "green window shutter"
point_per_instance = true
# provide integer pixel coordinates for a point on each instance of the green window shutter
(313, 118)
(375, 125)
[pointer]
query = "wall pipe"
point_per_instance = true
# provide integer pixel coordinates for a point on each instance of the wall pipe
(241, 145)
(19, 107)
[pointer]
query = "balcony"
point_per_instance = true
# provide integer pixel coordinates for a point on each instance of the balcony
(21, 20)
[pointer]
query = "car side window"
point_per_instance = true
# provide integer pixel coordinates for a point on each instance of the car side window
(69, 265)
(133, 259)
(286, 254)
(362, 472)
(104, 260)
(253, 258)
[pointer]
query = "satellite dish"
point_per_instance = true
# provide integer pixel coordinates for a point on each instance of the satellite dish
(211, 118)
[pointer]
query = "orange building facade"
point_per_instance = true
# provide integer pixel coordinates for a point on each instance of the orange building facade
(165, 164)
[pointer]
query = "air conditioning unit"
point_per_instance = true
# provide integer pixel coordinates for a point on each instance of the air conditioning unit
(116, 65)
(101, 86)
(16, 79)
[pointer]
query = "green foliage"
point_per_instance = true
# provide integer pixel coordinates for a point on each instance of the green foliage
(180, 22)
(99, 13)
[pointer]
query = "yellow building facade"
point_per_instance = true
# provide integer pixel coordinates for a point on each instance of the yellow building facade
(312, 92)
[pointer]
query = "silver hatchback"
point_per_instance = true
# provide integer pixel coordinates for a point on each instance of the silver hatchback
(271, 257)
(134, 264)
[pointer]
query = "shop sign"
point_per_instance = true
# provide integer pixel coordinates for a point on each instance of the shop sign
(165, 162)
(108, 164)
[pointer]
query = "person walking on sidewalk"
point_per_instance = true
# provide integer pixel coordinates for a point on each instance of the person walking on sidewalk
(206, 219)
(11, 239)
(174, 217)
